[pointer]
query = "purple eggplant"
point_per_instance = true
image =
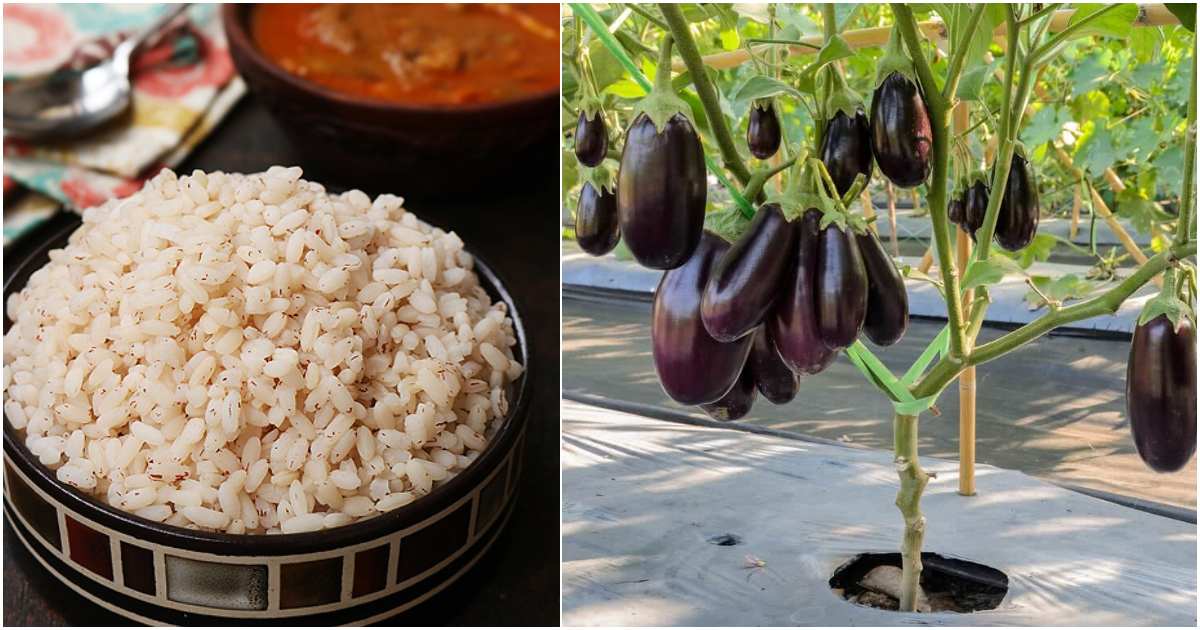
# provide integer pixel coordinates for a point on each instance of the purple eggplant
(901, 135)
(841, 288)
(693, 368)
(846, 149)
(661, 192)
(736, 403)
(776, 381)
(743, 286)
(793, 323)
(956, 211)
(1017, 222)
(887, 298)
(763, 133)
(596, 227)
(591, 139)
(975, 207)
(1160, 392)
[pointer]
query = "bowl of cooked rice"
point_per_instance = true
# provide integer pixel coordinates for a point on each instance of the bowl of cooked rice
(242, 397)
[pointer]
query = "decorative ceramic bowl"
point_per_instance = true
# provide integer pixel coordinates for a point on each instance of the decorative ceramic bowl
(359, 573)
(422, 150)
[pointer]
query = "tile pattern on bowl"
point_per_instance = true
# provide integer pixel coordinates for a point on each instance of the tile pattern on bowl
(241, 586)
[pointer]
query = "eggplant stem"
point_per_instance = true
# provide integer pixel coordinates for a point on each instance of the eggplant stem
(913, 480)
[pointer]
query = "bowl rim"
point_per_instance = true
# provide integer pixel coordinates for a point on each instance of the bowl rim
(440, 499)
(234, 16)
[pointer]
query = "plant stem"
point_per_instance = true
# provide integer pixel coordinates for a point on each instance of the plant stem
(1187, 205)
(706, 91)
(913, 480)
(960, 54)
(650, 17)
(939, 122)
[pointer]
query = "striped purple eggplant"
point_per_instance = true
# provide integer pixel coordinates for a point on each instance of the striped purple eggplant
(743, 287)
(693, 368)
(591, 139)
(661, 191)
(975, 207)
(793, 322)
(1160, 392)
(596, 227)
(841, 288)
(887, 298)
(775, 380)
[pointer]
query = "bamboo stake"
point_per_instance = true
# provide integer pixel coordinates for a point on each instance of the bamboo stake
(891, 196)
(869, 209)
(966, 380)
(1102, 210)
(1148, 15)
(926, 260)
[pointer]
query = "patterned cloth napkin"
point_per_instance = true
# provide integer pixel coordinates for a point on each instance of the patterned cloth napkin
(183, 85)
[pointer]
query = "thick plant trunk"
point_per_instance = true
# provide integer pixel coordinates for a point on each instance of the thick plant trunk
(912, 485)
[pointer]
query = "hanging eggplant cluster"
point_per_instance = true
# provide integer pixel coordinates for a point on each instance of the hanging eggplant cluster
(1160, 390)
(777, 304)
(968, 204)
(901, 134)
(597, 229)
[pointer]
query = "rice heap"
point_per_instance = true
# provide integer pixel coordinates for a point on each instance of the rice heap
(248, 354)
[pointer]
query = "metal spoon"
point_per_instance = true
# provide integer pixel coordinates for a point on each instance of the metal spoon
(70, 102)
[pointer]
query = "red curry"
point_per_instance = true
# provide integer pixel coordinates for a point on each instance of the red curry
(419, 54)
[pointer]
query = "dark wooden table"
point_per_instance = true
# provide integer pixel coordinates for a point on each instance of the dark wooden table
(515, 229)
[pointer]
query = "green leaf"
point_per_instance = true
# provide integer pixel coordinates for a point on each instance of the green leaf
(1098, 152)
(730, 224)
(974, 79)
(1086, 74)
(1170, 169)
(1061, 289)
(1044, 126)
(626, 88)
(1186, 12)
(983, 272)
(1039, 249)
(605, 66)
(730, 40)
(833, 50)
(760, 86)
(1116, 23)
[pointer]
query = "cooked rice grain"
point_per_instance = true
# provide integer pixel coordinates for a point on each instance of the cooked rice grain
(246, 353)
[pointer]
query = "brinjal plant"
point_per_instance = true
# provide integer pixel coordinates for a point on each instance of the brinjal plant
(771, 251)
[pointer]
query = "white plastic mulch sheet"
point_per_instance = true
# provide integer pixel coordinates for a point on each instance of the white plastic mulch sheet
(642, 497)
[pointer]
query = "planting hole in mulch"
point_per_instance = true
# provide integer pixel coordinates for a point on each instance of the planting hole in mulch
(949, 584)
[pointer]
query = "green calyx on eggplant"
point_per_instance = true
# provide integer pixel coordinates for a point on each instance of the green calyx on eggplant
(591, 138)
(1017, 222)
(975, 204)
(662, 184)
(743, 286)
(738, 401)
(887, 297)
(692, 367)
(841, 287)
(763, 131)
(901, 134)
(792, 325)
(1160, 392)
(597, 229)
(775, 380)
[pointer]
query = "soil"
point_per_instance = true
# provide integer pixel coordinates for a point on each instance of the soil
(950, 584)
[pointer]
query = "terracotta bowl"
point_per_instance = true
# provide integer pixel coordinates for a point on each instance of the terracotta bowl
(359, 573)
(425, 151)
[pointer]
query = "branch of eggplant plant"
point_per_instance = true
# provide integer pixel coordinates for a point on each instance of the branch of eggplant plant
(686, 45)
(1187, 209)
(760, 177)
(937, 106)
(1107, 303)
